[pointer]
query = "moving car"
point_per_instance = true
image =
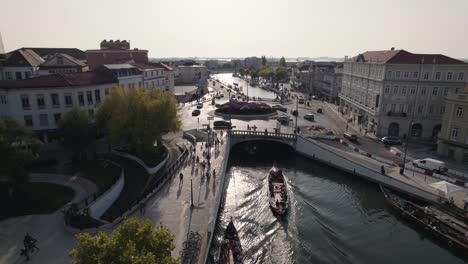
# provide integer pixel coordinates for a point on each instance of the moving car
(309, 117)
(430, 164)
(222, 124)
(196, 112)
(279, 108)
(199, 106)
(350, 136)
(391, 141)
(319, 110)
(283, 119)
(301, 100)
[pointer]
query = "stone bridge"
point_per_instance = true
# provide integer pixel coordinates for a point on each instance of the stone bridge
(238, 136)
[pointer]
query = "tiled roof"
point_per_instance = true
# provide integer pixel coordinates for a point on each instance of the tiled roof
(142, 66)
(24, 58)
(60, 80)
(75, 53)
(66, 56)
(404, 57)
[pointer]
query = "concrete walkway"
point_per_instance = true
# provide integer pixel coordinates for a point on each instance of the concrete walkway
(53, 240)
(171, 205)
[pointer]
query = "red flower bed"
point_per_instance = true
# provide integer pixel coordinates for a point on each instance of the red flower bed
(244, 108)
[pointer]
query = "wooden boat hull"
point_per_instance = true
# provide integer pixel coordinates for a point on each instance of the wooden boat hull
(231, 248)
(457, 246)
(278, 194)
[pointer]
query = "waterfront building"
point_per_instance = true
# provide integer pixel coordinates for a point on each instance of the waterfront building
(39, 103)
(385, 91)
(115, 52)
(157, 75)
(191, 74)
(327, 78)
(453, 138)
(302, 76)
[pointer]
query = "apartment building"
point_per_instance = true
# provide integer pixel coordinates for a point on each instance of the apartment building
(115, 52)
(386, 92)
(191, 74)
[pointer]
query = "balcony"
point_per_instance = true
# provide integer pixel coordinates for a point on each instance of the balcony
(394, 114)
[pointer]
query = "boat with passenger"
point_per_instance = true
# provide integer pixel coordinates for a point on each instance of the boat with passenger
(440, 226)
(277, 191)
(231, 248)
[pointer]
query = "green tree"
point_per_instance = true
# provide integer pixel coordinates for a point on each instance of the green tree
(138, 117)
(78, 134)
(266, 72)
(264, 61)
(242, 72)
(282, 62)
(133, 242)
(18, 147)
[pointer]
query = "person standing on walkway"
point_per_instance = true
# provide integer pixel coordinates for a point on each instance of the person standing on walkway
(181, 178)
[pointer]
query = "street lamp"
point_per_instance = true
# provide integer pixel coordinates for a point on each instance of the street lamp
(191, 193)
(402, 170)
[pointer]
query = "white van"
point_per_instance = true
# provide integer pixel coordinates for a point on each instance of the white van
(430, 164)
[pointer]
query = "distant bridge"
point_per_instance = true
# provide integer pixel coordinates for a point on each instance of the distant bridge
(239, 136)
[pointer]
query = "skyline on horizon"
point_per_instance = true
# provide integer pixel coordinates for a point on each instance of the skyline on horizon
(227, 29)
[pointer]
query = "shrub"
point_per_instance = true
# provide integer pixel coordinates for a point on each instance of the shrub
(244, 108)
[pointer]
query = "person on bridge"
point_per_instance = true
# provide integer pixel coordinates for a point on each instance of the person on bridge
(266, 131)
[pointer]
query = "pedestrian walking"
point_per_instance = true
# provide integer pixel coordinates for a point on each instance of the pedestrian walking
(181, 177)
(214, 174)
(24, 252)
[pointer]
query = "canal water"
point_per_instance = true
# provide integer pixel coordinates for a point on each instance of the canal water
(333, 217)
(227, 78)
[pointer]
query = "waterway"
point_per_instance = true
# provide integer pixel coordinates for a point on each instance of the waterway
(253, 91)
(333, 217)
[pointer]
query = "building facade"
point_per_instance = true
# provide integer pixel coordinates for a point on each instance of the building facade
(157, 75)
(385, 91)
(115, 52)
(453, 138)
(253, 63)
(39, 103)
(191, 75)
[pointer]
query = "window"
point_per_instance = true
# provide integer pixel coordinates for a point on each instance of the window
(437, 76)
(426, 76)
(384, 108)
(28, 121)
(403, 90)
(97, 95)
(431, 109)
(55, 100)
(449, 76)
(392, 108)
(68, 100)
(423, 91)
(402, 108)
(3, 99)
(413, 90)
(442, 110)
(43, 120)
(389, 74)
(406, 75)
(435, 90)
(410, 108)
(395, 90)
(106, 91)
(454, 134)
(461, 76)
(18, 76)
(59, 60)
(459, 111)
(398, 74)
(415, 75)
(387, 89)
(40, 101)
(28, 74)
(457, 90)
(89, 97)
(25, 102)
(8, 76)
(420, 109)
(57, 118)
(80, 98)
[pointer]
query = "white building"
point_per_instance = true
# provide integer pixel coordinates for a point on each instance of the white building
(61, 63)
(21, 64)
(39, 103)
(157, 75)
(127, 75)
(191, 75)
(385, 91)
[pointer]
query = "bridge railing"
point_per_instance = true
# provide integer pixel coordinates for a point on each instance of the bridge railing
(262, 134)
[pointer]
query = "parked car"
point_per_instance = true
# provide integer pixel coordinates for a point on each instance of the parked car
(431, 165)
(391, 141)
(320, 110)
(199, 106)
(196, 112)
(279, 108)
(350, 136)
(222, 124)
(283, 119)
(301, 100)
(309, 117)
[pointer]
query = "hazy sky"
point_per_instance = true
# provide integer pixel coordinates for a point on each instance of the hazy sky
(239, 28)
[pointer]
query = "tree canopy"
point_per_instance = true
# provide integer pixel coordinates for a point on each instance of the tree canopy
(78, 133)
(280, 73)
(282, 62)
(18, 147)
(138, 117)
(264, 61)
(133, 242)
(266, 72)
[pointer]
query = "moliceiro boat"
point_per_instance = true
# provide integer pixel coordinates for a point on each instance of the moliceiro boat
(231, 249)
(435, 223)
(277, 191)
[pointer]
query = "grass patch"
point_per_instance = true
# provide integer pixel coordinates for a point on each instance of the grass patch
(33, 198)
(102, 173)
(152, 158)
